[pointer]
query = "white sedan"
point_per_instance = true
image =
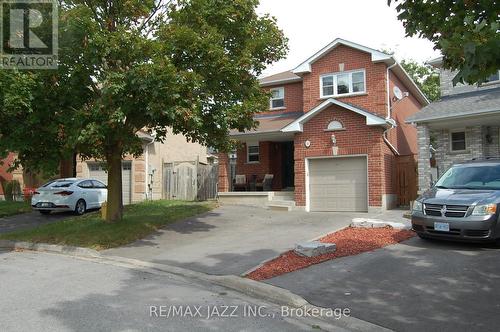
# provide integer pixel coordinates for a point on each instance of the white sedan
(72, 194)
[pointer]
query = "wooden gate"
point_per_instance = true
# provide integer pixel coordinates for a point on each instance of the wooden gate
(190, 180)
(208, 178)
(406, 180)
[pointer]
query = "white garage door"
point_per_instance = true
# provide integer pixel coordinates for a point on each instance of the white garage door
(338, 184)
(98, 172)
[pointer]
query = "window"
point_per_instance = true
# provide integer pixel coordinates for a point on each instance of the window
(335, 125)
(98, 184)
(458, 141)
(253, 152)
(342, 83)
(277, 98)
(86, 184)
(94, 167)
(493, 78)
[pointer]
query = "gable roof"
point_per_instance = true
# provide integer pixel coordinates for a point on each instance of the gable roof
(371, 119)
(474, 103)
(283, 77)
(377, 56)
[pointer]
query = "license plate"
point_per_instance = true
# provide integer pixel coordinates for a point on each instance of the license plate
(45, 204)
(441, 226)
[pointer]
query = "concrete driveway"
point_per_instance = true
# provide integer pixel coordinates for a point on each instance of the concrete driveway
(30, 220)
(233, 239)
(414, 286)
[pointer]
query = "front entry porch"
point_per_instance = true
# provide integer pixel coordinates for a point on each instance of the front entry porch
(259, 173)
(265, 166)
(275, 200)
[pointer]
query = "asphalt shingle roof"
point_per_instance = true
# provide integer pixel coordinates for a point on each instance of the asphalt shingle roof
(464, 104)
(284, 76)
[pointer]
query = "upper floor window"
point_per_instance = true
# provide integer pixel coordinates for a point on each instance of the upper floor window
(277, 98)
(342, 83)
(493, 78)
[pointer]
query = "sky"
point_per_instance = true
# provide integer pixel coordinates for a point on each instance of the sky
(312, 24)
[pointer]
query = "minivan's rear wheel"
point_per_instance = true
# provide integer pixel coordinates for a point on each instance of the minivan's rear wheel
(45, 211)
(80, 207)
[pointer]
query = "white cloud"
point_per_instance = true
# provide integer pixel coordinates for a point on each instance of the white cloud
(312, 24)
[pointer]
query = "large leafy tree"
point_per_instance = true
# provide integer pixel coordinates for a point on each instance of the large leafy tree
(426, 77)
(188, 65)
(465, 31)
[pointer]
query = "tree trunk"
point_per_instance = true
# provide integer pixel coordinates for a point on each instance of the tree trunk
(115, 200)
(67, 167)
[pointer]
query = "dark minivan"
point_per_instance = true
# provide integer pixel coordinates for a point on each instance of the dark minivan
(462, 205)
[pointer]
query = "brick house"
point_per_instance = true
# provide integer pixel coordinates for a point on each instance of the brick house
(331, 135)
(462, 125)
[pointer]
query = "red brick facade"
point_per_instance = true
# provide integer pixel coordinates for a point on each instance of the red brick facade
(404, 136)
(293, 98)
(357, 138)
(4, 174)
(375, 99)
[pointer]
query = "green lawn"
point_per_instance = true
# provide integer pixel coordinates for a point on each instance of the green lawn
(90, 231)
(12, 208)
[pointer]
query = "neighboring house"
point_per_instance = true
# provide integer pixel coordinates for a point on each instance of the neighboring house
(332, 132)
(5, 175)
(143, 177)
(462, 125)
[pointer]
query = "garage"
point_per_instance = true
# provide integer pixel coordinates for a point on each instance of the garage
(338, 184)
(98, 172)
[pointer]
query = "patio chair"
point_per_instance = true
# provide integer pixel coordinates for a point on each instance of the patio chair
(240, 183)
(267, 183)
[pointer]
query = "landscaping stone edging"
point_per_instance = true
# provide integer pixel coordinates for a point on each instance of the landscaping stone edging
(273, 294)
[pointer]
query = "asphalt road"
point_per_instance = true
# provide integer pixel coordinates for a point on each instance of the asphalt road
(47, 292)
(414, 286)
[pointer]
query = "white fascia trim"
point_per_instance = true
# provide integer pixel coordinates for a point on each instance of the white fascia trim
(297, 125)
(305, 67)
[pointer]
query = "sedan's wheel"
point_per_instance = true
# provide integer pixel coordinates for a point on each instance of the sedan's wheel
(45, 211)
(81, 207)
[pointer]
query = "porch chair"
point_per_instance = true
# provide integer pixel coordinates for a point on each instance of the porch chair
(267, 183)
(240, 183)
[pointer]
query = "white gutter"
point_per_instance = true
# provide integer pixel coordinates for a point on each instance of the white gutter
(389, 119)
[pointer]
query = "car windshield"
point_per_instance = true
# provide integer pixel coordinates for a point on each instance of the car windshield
(471, 177)
(62, 184)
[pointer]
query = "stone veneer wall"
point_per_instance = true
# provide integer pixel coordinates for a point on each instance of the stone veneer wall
(477, 147)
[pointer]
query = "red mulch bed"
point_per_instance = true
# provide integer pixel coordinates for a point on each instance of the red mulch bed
(350, 241)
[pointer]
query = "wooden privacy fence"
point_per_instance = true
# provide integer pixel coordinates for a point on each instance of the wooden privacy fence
(190, 180)
(406, 180)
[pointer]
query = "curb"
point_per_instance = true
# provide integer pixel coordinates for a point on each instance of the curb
(276, 295)
(66, 250)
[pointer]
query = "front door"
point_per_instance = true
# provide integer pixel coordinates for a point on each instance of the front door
(288, 165)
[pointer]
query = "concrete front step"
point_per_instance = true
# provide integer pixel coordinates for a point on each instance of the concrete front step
(281, 205)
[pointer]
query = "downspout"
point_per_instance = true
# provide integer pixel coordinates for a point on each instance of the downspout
(389, 119)
(146, 189)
